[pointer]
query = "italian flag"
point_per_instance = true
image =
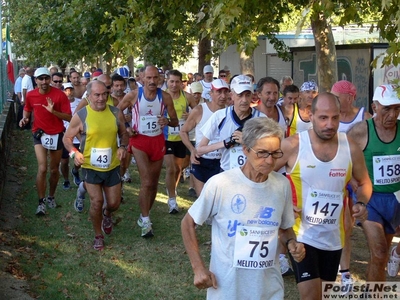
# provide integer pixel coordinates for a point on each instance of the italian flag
(10, 66)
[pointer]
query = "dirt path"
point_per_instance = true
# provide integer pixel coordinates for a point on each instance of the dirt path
(13, 284)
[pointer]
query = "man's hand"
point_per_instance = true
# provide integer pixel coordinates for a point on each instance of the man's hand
(50, 105)
(360, 212)
(296, 250)
(203, 279)
(193, 157)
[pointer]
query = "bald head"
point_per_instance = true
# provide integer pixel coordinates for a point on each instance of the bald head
(106, 79)
(326, 97)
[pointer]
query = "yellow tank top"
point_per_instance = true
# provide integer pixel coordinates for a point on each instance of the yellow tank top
(99, 138)
(181, 106)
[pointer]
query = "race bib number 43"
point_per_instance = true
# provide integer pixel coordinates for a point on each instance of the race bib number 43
(255, 247)
(100, 157)
(386, 169)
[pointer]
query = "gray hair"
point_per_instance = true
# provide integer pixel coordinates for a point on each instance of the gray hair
(258, 128)
(93, 82)
(284, 78)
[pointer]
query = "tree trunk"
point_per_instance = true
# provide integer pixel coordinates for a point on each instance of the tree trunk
(246, 63)
(325, 50)
(204, 53)
(131, 65)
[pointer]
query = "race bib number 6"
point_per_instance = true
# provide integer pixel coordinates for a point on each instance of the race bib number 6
(255, 247)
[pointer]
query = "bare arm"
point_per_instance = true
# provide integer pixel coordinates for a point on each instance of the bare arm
(203, 278)
(295, 248)
(123, 136)
(75, 128)
(359, 134)
(360, 174)
(190, 124)
(290, 149)
(169, 104)
(204, 147)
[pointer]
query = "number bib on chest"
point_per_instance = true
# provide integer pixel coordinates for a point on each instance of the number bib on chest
(386, 169)
(149, 126)
(175, 130)
(255, 247)
(236, 157)
(49, 141)
(100, 157)
(323, 207)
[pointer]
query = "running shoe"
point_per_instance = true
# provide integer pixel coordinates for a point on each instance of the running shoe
(393, 263)
(98, 243)
(346, 279)
(106, 224)
(147, 230)
(66, 185)
(173, 206)
(51, 202)
(75, 176)
(41, 209)
(127, 177)
(79, 203)
(286, 270)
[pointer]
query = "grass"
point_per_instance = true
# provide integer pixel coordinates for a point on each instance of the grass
(57, 258)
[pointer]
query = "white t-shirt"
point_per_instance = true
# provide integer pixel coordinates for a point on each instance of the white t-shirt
(26, 84)
(220, 126)
(232, 201)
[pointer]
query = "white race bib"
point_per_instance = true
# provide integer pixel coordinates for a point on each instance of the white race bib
(49, 141)
(149, 126)
(236, 157)
(175, 130)
(100, 157)
(386, 169)
(323, 207)
(255, 247)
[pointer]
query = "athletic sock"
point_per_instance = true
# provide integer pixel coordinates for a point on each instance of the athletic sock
(81, 190)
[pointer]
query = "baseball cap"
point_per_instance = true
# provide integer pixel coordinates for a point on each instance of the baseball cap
(386, 95)
(196, 87)
(96, 74)
(86, 75)
(344, 87)
(309, 86)
(218, 84)
(226, 68)
(123, 72)
(100, 70)
(68, 85)
(41, 71)
(241, 83)
(208, 69)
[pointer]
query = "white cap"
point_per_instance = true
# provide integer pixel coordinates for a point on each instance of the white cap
(196, 87)
(41, 71)
(386, 95)
(68, 85)
(218, 84)
(208, 69)
(241, 83)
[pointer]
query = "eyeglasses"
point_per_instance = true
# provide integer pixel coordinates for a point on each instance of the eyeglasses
(266, 154)
(43, 78)
(56, 81)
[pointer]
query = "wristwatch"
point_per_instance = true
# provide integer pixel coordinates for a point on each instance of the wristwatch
(123, 146)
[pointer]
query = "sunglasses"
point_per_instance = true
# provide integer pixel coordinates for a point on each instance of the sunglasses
(222, 76)
(108, 87)
(57, 81)
(41, 78)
